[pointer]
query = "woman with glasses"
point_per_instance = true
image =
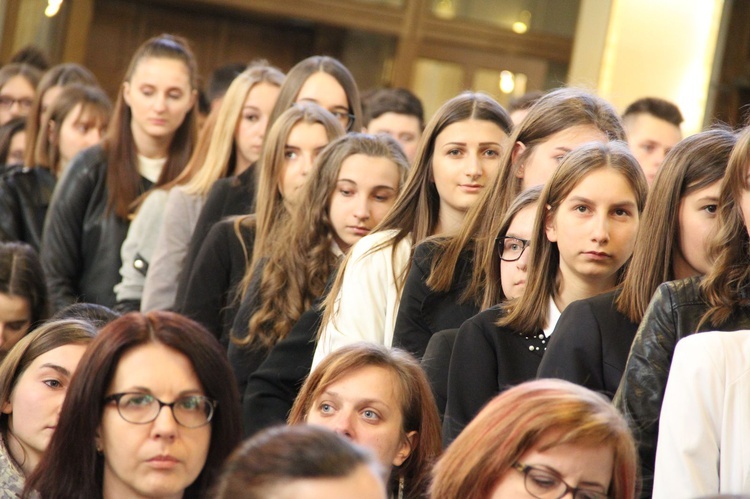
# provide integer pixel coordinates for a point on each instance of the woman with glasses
(153, 412)
(541, 439)
(440, 292)
(592, 338)
(584, 230)
(18, 83)
(320, 80)
(34, 379)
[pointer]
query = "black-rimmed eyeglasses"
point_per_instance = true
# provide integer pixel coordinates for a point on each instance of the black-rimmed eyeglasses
(191, 411)
(546, 484)
(345, 118)
(510, 249)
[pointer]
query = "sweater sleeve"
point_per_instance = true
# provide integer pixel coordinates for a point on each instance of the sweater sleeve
(10, 209)
(687, 456)
(366, 305)
(180, 215)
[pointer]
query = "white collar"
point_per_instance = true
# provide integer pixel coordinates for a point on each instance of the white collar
(553, 314)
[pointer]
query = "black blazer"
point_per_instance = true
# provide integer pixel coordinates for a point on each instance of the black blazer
(25, 194)
(423, 312)
(487, 359)
(590, 345)
(436, 362)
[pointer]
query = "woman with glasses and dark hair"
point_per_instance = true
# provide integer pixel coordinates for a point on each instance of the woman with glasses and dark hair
(152, 413)
(544, 438)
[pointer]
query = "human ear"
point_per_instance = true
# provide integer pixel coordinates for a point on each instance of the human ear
(549, 225)
(8, 407)
(518, 149)
(408, 444)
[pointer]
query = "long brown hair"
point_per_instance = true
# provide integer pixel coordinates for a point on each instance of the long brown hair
(300, 261)
(529, 313)
(554, 112)
(93, 101)
(725, 285)
(418, 408)
(270, 211)
(61, 75)
(73, 448)
(693, 164)
(524, 418)
(416, 211)
(299, 74)
(123, 179)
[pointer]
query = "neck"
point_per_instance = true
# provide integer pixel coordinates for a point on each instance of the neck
(573, 288)
(449, 221)
(26, 458)
(682, 269)
(240, 166)
(149, 146)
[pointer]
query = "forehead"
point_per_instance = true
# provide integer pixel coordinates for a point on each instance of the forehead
(161, 71)
(644, 126)
(368, 382)
(323, 88)
(394, 122)
(572, 137)
(18, 85)
(156, 367)
(471, 130)
(363, 169)
(65, 356)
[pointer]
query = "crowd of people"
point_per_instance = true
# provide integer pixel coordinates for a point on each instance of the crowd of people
(488, 303)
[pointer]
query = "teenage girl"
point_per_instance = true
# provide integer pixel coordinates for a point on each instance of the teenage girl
(75, 121)
(353, 184)
(321, 80)
(148, 143)
(459, 153)
(291, 146)
(441, 293)
(160, 233)
(584, 231)
(593, 336)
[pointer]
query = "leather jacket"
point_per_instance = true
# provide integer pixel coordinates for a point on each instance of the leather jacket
(82, 237)
(675, 312)
(25, 194)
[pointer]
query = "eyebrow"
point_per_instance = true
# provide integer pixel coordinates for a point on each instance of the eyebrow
(563, 149)
(375, 187)
(464, 143)
(57, 368)
(189, 391)
(581, 199)
(360, 402)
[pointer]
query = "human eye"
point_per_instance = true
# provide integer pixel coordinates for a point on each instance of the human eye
(326, 408)
(622, 212)
(192, 404)
(511, 245)
(53, 383)
(649, 148)
(136, 400)
(711, 209)
(17, 325)
(590, 494)
(491, 153)
(251, 117)
(346, 192)
(370, 415)
(580, 208)
(543, 480)
(175, 95)
(147, 91)
(290, 154)
(454, 152)
(383, 197)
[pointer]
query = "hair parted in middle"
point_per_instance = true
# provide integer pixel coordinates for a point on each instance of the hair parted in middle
(552, 113)
(418, 408)
(300, 261)
(73, 446)
(693, 164)
(536, 415)
(529, 312)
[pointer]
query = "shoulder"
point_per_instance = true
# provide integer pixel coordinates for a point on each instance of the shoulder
(681, 292)
(726, 346)
(377, 242)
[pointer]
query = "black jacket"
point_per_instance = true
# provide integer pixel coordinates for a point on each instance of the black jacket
(82, 238)
(423, 312)
(590, 344)
(228, 197)
(674, 313)
(25, 195)
(209, 294)
(486, 360)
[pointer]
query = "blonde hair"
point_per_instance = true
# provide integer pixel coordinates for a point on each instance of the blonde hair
(218, 160)
(522, 419)
(529, 313)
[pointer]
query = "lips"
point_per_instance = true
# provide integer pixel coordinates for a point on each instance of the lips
(598, 255)
(471, 188)
(360, 231)
(163, 462)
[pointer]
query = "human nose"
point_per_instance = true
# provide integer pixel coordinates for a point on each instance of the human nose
(362, 209)
(342, 425)
(474, 168)
(522, 262)
(601, 229)
(92, 137)
(307, 161)
(165, 425)
(160, 102)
